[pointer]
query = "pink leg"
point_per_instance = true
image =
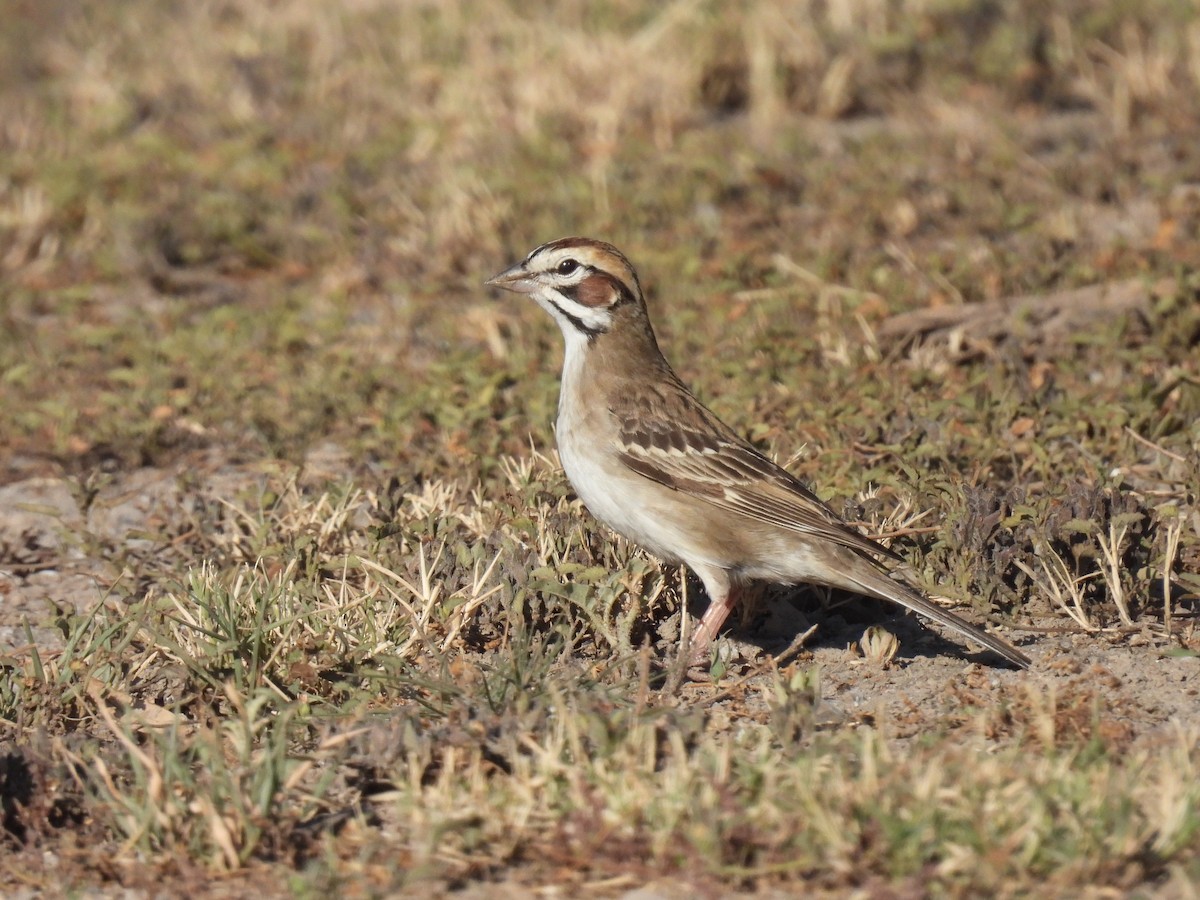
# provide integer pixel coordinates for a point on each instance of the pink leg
(718, 611)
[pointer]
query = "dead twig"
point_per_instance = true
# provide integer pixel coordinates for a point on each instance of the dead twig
(1048, 318)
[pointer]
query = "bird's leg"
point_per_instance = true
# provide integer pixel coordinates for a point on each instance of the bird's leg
(720, 606)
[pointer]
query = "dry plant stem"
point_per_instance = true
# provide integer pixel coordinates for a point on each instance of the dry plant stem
(1048, 317)
(1111, 546)
(937, 280)
(770, 664)
(428, 597)
(798, 643)
(684, 654)
(1146, 442)
(642, 697)
(1061, 586)
(1174, 532)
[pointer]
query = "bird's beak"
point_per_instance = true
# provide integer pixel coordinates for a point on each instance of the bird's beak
(515, 279)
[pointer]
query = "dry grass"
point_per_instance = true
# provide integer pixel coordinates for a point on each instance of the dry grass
(292, 587)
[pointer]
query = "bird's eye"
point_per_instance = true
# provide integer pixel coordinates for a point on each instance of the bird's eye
(567, 266)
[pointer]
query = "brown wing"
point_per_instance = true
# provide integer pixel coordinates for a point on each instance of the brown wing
(692, 451)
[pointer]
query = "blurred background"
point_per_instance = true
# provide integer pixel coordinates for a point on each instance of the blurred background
(259, 224)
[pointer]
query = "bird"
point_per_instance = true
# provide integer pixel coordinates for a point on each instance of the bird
(654, 464)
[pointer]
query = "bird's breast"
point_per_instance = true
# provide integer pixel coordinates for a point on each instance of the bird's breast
(654, 517)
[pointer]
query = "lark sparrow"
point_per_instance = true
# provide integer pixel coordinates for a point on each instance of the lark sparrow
(652, 463)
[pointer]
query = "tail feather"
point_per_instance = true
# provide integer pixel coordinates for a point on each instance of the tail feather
(878, 584)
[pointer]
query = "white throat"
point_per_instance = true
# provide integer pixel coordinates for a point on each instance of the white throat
(575, 350)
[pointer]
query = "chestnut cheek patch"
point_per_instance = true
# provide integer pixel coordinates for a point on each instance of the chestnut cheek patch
(595, 292)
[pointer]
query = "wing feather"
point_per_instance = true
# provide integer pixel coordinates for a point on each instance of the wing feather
(699, 455)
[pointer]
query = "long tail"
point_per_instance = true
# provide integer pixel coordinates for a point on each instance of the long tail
(876, 583)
